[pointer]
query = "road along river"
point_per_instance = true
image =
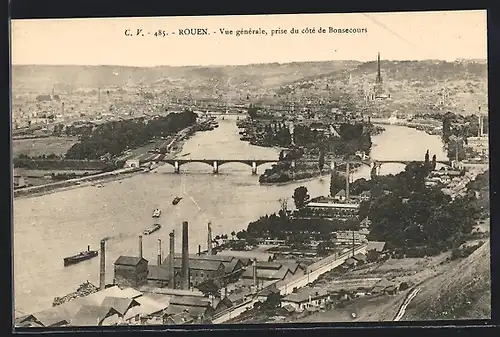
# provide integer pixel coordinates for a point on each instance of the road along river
(50, 227)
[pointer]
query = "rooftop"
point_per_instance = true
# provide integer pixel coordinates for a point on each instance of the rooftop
(91, 315)
(195, 301)
(197, 264)
(243, 254)
(129, 260)
(121, 305)
(303, 295)
(378, 246)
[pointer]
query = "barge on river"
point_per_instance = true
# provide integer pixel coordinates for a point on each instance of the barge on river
(152, 229)
(82, 256)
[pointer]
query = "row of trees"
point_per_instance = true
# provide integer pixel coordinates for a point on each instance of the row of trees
(411, 215)
(115, 137)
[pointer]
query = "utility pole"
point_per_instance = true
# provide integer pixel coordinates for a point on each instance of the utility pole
(347, 180)
(353, 242)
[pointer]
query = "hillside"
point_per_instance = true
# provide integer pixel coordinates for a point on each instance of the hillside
(414, 86)
(249, 77)
(463, 292)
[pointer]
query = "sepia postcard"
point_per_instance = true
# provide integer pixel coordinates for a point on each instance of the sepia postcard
(250, 169)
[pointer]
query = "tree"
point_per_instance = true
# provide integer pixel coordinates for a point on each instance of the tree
(321, 162)
(273, 300)
(209, 288)
(283, 207)
(242, 235)
(300, 196)
(433, 163)
(426, 161)
(373, 172)
(233, 234)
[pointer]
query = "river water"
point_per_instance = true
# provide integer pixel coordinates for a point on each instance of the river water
(50, 227)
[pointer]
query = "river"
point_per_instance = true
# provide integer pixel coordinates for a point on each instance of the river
(50, 227)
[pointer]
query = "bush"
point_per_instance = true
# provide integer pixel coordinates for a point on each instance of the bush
(463, 252)
(403, 286)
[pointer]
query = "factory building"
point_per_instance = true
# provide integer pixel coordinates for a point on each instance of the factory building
(199, 270)
(131, 271)
(204, 267)
(262, 272)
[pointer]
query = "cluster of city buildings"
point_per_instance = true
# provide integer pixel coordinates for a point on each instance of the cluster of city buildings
(97, 106)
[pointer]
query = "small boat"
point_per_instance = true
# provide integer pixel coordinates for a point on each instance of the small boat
(152, 229)
(176, 200)
(156, 213)
(82, 256)
(186, 154)
(99, 186)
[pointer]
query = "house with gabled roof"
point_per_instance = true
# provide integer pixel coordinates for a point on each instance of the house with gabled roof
(92, 315)
(199, 308)
(306, 298)
(120, 304)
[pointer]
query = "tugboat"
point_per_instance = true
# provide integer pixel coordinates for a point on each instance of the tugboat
(156, 213)
(82, 256)
(176, 200)
(152, 229)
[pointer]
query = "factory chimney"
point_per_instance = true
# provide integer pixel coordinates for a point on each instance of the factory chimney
(480, 126)
(199, 250)
(140, 246)
(102, 273)
(171, 261)
(209, 239)
(159, 252)
(185, 256)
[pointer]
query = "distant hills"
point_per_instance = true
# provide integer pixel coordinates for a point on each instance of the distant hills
(415, 86)
(45, 77)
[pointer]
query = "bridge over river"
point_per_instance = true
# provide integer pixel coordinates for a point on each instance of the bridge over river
(254, 163)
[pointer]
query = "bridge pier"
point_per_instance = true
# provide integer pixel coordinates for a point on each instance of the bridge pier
(254, 168)
(215, 167)
(177, 168)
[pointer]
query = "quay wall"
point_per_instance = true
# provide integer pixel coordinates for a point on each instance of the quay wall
(70, 182)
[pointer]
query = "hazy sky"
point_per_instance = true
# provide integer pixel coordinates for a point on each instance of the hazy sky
(397, 36)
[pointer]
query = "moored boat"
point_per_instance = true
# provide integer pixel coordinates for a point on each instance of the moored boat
(156, 213)
(176, 200)
(82, 256)
(152, 229)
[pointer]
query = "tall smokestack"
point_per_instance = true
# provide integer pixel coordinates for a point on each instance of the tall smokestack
(102, 273)
(171, 261)
(209, 239)
(199, 250)
(159, 252)
(480, 125)
(185, 256)
(140, 246)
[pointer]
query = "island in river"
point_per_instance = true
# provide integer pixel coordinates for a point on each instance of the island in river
(345, 138)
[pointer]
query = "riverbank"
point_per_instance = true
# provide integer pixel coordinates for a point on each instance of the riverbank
(65, 185)
(105, 177)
